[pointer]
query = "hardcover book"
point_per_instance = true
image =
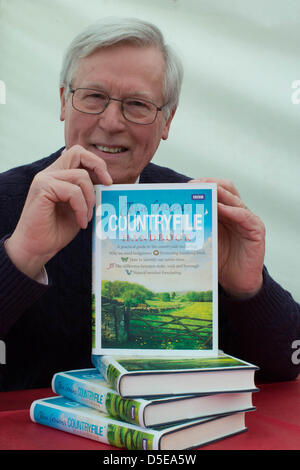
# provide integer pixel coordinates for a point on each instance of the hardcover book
(155, 270)
(87, 386)
(158, 376)
(69, 416)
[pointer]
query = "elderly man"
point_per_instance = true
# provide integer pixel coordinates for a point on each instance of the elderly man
(119, 92)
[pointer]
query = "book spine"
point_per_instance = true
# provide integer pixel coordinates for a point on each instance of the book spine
(79, 391)
(96, 428)
(126, 409)
(106, 401)
(110, 370)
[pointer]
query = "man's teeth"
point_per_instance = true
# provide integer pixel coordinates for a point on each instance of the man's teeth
(110, 149)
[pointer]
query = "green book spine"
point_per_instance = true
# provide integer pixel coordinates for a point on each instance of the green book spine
(110, 369)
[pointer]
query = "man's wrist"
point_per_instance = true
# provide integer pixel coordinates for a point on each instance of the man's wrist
(243, 294)
(31, 266)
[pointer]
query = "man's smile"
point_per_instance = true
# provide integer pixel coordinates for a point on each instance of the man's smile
(111, 149)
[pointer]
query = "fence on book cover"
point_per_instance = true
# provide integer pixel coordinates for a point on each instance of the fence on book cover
(143, 323)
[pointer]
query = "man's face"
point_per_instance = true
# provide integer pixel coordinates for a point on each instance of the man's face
(122, 71)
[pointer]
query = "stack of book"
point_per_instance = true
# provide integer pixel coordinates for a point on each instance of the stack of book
(151, 403)
(159, 381)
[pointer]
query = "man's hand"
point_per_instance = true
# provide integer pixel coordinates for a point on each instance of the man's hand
(241, 242)
(59, 203)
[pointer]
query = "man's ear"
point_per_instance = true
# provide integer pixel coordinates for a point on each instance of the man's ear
(62, 103)
(166, 129)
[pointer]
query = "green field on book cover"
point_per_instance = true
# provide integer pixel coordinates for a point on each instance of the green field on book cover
(155, 270)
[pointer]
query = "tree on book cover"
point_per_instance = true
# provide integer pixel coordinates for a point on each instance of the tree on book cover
(154, 269)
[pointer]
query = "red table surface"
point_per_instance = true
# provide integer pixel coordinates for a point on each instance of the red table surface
(274, 425)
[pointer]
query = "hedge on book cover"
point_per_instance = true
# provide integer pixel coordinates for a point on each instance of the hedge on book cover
(155, 269)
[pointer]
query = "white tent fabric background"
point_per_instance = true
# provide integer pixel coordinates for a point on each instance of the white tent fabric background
(239, 115)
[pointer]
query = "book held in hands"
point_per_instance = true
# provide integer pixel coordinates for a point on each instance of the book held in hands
(155, 270)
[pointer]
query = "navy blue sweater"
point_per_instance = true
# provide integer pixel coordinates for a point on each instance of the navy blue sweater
(47, 329)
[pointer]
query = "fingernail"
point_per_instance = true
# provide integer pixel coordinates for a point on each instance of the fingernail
(91, 212)
(109, 178)
(85, 222)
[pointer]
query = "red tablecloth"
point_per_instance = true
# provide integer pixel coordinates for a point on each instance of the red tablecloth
(275, 425)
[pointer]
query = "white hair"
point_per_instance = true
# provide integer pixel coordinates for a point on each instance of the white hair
(110, 31)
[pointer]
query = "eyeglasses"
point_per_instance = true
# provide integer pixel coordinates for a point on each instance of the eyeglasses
(90, 101)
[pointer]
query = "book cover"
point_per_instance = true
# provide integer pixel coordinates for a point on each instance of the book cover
(155, 270)
(158, 376)
(69, 416)
(87, 386)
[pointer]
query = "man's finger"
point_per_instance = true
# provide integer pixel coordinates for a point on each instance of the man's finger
(228, 198)
(63, 191)
(241, 221)
(226, 184)
(79, 177)
(78, 157)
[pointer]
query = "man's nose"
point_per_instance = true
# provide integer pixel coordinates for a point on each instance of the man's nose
(112, 118)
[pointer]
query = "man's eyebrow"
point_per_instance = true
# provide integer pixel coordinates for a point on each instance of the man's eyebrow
(131, 93)
(93, 85)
